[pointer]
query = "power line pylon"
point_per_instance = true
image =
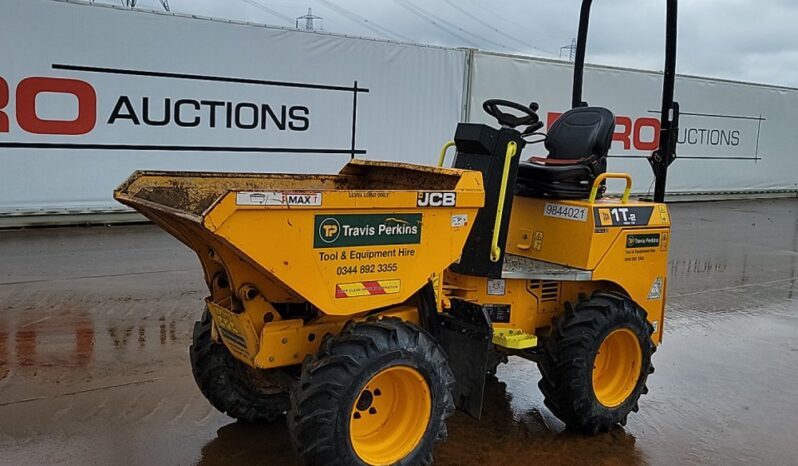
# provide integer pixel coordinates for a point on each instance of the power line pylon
(132, 4)
(308, 20)
(571, 50)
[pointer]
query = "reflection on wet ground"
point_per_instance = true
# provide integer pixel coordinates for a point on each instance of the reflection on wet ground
(95, 325)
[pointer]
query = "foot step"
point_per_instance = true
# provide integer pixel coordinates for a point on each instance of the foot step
(513, 338)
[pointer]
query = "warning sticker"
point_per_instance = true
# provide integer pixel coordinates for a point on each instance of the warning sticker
(278, 198)
(459, 220)
(496, 287)
(235, 330)
(367, 288)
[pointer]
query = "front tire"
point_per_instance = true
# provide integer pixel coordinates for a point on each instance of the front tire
(232, 387)
(378, 393)
(596, 362)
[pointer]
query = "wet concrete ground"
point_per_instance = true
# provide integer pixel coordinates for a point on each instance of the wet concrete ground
(95, 325)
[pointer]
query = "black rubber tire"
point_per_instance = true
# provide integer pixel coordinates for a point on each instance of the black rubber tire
(331, 380)
(570, 350)
(231, 386)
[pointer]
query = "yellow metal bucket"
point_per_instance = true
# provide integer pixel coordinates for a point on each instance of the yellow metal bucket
(364, 239)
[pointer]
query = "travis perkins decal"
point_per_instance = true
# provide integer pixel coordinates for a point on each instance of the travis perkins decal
(333, 231)
(647, 240)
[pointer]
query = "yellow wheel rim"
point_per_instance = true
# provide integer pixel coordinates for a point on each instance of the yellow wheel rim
(616, 368)
(390, 415)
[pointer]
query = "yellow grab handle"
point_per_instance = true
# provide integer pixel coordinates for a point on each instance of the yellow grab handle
(604, 176)
(443, 152)
(495, 250)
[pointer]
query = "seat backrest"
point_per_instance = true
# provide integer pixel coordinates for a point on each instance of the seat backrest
(581, 132)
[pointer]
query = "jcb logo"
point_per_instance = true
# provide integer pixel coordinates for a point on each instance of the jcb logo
(25, 103)
(606, 218)
(329, 229)
(436, 199)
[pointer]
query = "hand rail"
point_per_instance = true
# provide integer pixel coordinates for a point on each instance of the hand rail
(495, 250)
(443, 152)
(604, 176)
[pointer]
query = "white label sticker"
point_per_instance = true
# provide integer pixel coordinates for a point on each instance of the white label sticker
(278, 198)
(459, 220)
(568, 212)
(656, 289)
(496, 287)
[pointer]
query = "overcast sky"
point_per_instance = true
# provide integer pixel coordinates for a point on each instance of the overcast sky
(732, 39)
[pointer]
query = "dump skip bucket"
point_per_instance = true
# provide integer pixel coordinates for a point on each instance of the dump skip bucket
(366, 238)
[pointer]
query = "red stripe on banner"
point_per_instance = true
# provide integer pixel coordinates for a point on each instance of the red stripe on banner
(374, 287)
(339, 293)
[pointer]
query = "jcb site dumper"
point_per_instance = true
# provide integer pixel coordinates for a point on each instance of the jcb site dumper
(365, 306)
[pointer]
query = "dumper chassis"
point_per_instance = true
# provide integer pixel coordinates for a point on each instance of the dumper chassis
(366, 306)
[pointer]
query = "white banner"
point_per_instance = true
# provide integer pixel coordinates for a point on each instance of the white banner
(92, 93)
(89, 94)
(732, 136)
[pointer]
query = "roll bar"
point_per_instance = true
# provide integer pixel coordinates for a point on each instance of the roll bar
(669, 111)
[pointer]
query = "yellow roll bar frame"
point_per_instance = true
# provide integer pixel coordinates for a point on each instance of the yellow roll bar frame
(597, 182)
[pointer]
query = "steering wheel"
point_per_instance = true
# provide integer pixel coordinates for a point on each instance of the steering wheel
(529, 117)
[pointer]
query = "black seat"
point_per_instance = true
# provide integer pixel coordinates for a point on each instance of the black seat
(578, 143)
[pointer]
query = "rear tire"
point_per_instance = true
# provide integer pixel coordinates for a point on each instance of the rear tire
(378, 393)
(232, 387)
(596, 362)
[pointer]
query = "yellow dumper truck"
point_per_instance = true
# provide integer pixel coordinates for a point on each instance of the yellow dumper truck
(365, 306)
